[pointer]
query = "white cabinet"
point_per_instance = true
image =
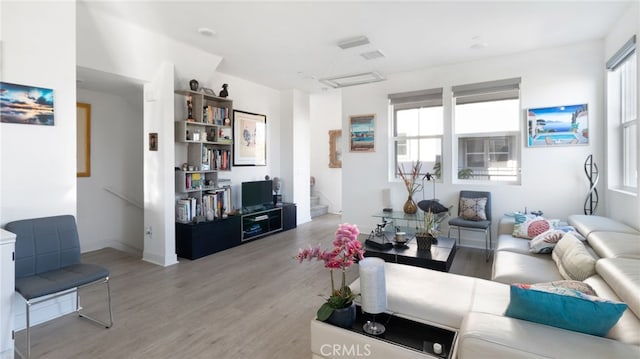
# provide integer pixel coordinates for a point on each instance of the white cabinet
(7, 288)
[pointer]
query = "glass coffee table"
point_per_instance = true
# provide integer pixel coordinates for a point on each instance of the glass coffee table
(438, 258)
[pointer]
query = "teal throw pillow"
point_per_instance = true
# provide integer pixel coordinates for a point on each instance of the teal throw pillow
(564, 308)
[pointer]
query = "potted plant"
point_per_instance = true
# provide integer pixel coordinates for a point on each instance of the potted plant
(428, 231)
(338, 308)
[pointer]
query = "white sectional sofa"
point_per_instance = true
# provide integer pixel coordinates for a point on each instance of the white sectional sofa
(475, 308)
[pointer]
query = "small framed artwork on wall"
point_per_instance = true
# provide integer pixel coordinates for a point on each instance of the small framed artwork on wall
(83, 139)
(558, 126)
(250, 139)
(362, 128)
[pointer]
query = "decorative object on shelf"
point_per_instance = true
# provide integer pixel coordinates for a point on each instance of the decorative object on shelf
(189, 108)
(373, 292)
(26, 105)
(224, 92)
(560, 125)
(591, 170)
(362, 128)
(83, 137)
(345, 252)
(410, 182)
(207, 91)
(193, 85)
(250, 134)
(153, 141)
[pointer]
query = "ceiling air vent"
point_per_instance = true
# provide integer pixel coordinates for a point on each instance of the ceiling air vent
(372, 55)
(353, 42)
(352, 80)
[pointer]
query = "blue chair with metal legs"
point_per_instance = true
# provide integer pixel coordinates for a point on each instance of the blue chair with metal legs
(47, 261)
(474, 214)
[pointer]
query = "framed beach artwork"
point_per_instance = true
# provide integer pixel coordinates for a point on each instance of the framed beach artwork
(249, 139)
(558, 126)
(362, 131)
(27, 105)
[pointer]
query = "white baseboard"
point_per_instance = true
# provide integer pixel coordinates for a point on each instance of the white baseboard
(112, 243)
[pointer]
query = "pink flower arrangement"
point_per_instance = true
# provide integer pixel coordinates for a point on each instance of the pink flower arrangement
(346, 251)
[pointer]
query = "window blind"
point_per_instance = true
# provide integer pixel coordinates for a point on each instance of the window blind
(625, 51)
(413, 99)
(505, 89)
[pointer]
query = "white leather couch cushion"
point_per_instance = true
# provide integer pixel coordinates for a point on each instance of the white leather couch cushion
(623, 276)
(627, 329)
(485, 335)
(509, 267)
(426, 295)
(509, 243)
(573, 259)
(505, 225)
(615, 244)
(587, 224)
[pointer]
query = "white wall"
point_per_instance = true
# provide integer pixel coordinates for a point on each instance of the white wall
(552, 178)
(251, 97)
(621, 205)
(39, 162)
(325, 114)
(105, 220)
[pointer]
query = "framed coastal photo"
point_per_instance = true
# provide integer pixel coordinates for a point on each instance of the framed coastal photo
(27, 105)
(362, 131)
(558, 126)
(249, 139)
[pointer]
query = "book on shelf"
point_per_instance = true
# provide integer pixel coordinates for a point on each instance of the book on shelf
(216, 203)
(214, 115)
(186, 210)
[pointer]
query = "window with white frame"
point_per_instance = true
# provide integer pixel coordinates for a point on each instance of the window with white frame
(486, 131)
(623, 117)
(417, 129)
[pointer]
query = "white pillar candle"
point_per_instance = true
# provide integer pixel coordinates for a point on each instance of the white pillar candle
(372, 285)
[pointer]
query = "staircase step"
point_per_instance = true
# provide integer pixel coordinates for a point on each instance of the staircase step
(319, 210)
(315, 200)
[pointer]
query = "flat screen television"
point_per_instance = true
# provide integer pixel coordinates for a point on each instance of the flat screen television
(257, 195)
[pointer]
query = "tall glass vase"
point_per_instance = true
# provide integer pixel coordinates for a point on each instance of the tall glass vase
(410, 206)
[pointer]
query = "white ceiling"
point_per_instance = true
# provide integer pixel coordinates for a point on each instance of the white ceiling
(292, 44)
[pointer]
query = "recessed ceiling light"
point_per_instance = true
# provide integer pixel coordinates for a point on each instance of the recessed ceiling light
(205, 31)
(352, 80)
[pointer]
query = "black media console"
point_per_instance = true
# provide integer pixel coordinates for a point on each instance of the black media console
(195, 240)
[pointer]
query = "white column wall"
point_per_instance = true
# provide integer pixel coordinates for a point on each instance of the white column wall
(325, 115)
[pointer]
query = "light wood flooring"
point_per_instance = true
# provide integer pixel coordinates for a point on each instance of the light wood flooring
(251, 301)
